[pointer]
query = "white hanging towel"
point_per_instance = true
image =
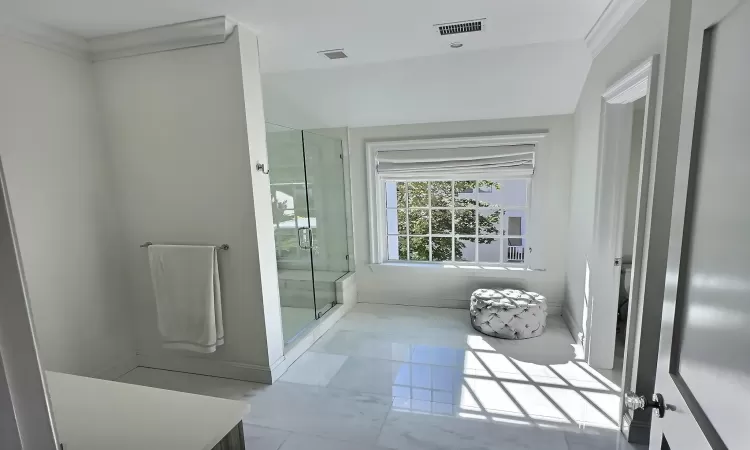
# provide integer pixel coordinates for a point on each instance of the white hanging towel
(188, 296)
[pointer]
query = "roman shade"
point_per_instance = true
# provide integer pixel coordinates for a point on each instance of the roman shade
(508, 160)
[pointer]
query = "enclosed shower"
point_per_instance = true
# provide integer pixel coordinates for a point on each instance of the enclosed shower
(310, 228)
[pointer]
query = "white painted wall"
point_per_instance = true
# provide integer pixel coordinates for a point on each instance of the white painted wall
(66, 215)
(186, 129)
(641, 38)
(260, 220)
(523, 81)
(452, 287)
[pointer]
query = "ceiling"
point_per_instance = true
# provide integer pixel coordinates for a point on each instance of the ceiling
(526, 81)
(292, 31)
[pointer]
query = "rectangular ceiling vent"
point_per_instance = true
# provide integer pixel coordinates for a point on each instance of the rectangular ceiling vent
(467, 26)
(337, 53)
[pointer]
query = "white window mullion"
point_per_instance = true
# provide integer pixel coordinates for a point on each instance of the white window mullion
(504, 234)
(429, 218)
(453, 221)
(476, 221)
(527, 242)
(406, 217)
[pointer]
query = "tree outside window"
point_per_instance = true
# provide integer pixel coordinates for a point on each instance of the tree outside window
(454, 220)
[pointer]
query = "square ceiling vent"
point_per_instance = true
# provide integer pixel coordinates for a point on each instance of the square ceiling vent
(466, 26)
(337, 53)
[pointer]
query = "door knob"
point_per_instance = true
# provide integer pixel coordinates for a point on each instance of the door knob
(635, 402)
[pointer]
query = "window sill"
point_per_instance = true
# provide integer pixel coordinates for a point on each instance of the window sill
(480, 270)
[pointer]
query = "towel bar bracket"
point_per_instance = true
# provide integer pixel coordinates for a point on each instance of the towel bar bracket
(220, 247)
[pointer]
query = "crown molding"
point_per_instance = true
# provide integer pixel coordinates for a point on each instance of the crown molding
(632, 86)
(43, 36)
(159, 39)
(612, 20)
(151, 40)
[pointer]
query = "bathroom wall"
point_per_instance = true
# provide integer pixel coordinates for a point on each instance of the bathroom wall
(446, 287)
(68, 225)
(643, 37)
(185, 129)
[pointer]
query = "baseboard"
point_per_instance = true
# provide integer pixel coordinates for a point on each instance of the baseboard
(241, 371)
(213, 368)
(553, 309)
(431, 303)
(118, 369)
(572, 325)
(636, 431)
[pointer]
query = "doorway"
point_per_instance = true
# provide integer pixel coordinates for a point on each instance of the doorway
(629, 225)
(613, 315)
(614, 258)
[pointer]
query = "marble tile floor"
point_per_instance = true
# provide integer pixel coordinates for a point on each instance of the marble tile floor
(393, 377)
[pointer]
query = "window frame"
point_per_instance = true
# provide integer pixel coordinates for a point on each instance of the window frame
(502, 235)
(376, 191)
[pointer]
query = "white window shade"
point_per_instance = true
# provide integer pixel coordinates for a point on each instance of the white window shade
(510, 160)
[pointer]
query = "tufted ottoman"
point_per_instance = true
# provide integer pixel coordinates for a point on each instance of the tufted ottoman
(508, 313)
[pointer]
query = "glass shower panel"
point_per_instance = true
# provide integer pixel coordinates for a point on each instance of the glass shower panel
(293, 226)
(324, 167)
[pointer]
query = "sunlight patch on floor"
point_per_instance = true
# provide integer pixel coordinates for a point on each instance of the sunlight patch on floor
(497, 387)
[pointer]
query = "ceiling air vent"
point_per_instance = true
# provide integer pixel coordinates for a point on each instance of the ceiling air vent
(337, 53)
(467, 26)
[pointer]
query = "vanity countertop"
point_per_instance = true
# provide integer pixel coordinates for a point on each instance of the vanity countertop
(93, 414)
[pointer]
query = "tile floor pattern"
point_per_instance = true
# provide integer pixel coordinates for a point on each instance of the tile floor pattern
(392, 377)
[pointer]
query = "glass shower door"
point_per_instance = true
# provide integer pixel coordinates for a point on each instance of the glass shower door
(293, 229)
(324, 169)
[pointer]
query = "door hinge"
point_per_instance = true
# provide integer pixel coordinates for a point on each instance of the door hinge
(341, 156)
(618, 262)
(347, 257)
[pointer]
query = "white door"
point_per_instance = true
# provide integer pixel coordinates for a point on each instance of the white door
(704, 358)
(605, 261)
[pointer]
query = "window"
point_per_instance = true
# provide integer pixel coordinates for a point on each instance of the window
(457, 220)
(459, 200)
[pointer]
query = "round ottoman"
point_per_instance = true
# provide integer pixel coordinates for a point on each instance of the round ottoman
(508, 313)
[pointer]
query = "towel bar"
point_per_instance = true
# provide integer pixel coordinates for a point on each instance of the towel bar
(220, 247)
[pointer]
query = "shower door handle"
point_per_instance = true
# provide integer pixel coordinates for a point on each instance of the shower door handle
(303, 242)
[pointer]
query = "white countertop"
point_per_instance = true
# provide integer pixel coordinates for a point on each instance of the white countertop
(92, 414)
